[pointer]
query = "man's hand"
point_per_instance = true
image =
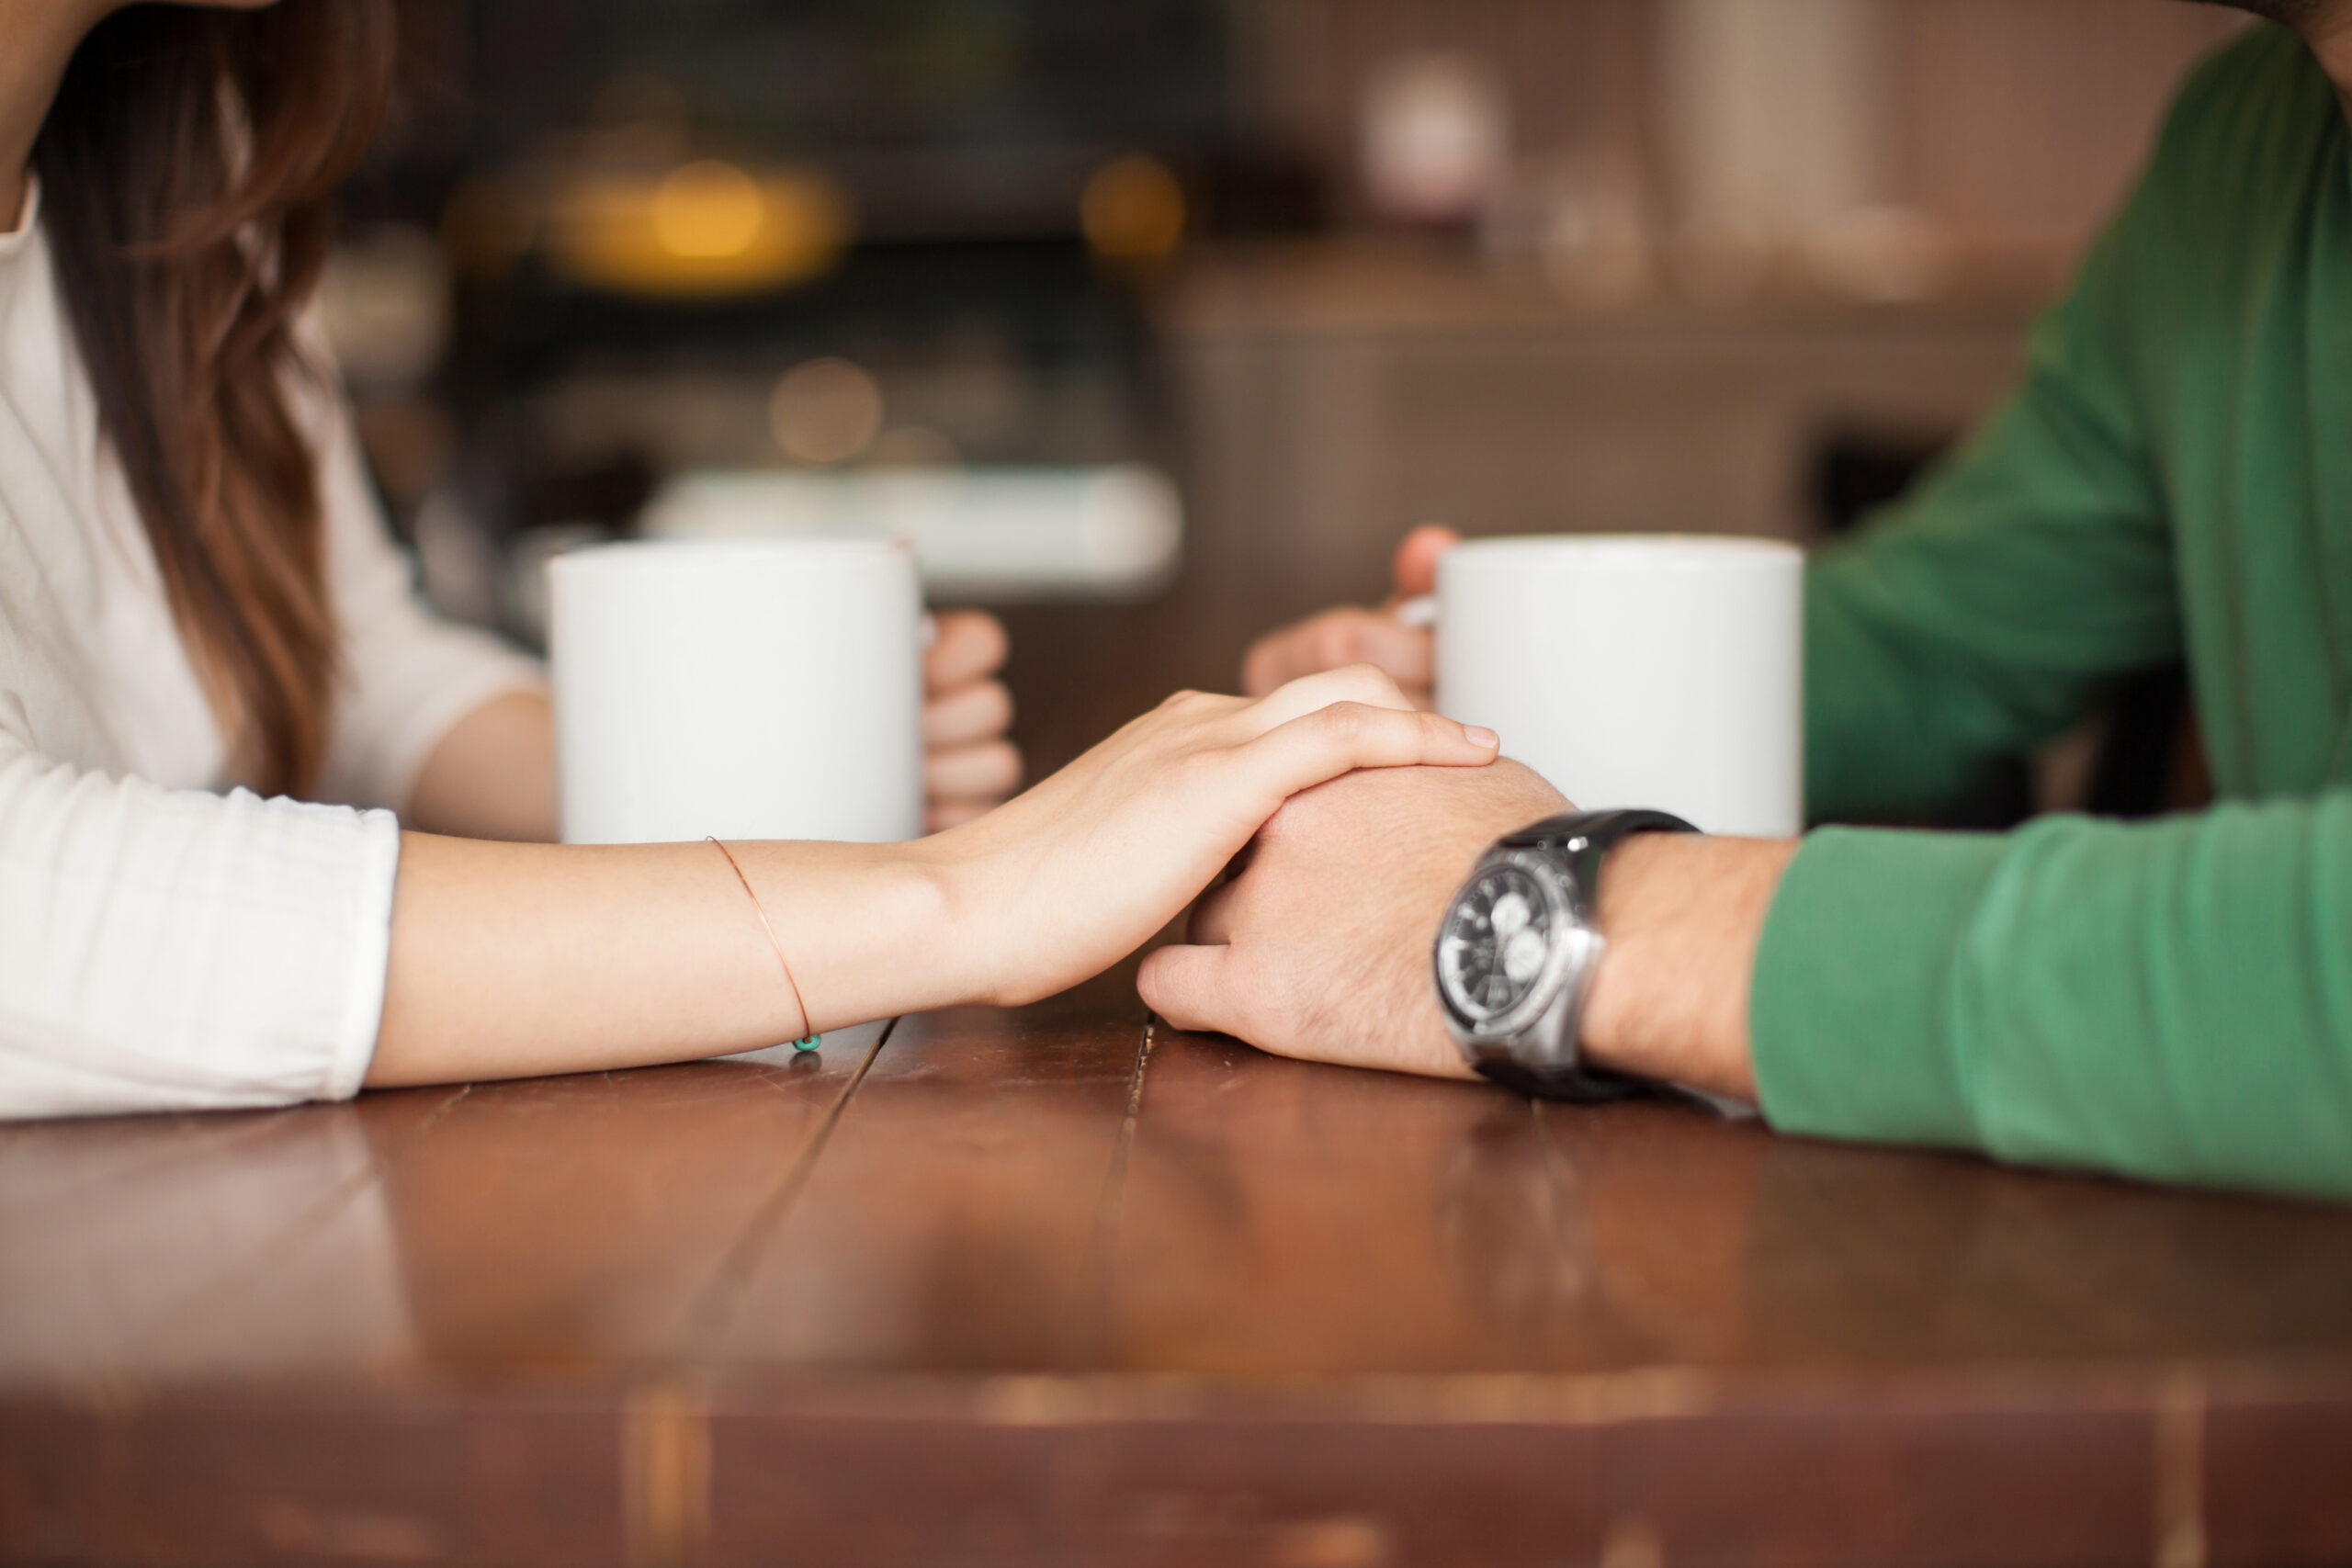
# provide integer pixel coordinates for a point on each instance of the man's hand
(1321, 947)
(968, 766)
(1353, 635)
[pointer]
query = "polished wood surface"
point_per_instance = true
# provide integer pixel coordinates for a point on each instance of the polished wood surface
(1056, 1286)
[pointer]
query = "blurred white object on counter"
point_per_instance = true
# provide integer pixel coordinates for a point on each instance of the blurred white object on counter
(1436, 137)
(979, 535)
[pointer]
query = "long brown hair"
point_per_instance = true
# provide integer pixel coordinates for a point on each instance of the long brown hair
(185, 169)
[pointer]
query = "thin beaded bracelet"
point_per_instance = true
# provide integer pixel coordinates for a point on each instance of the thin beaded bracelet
(809, 1041)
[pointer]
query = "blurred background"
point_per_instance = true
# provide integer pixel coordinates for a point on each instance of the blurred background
(1156, 323)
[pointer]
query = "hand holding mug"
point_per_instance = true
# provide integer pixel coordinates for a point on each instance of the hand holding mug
(969, 765)
(785, 689)
(1353, 635)
(1662, 670)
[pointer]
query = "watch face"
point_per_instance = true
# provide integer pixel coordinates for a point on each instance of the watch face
(1494, 948)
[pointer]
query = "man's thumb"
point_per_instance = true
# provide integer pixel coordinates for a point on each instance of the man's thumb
(1186, 985)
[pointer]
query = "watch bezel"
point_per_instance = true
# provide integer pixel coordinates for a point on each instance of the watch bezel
(1559, 959)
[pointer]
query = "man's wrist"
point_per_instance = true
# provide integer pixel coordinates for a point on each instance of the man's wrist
(1681, 916)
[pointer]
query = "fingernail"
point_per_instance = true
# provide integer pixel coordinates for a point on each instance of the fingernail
(1478, 735)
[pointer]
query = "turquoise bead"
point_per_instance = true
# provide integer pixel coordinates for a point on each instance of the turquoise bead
(809, 1044)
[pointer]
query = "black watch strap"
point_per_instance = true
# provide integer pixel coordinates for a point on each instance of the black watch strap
(1585, 838)
(1576, 1086)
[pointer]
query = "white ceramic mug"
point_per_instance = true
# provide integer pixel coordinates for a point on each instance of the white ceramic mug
(746, 690)
(1636, 670)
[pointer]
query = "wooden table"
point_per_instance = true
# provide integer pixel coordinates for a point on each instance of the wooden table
(1051, 1287)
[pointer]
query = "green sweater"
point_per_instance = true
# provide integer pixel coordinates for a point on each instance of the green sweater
(2173, 999)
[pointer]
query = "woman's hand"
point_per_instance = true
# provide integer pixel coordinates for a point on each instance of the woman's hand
(968, 766)
(1071, 876)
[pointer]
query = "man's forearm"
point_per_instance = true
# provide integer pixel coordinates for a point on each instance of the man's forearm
(1682, 916)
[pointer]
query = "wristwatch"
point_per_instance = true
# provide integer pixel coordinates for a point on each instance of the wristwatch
(1518, 949)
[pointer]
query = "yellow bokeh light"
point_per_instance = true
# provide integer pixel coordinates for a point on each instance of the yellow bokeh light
(702, 229)
(707, 209)
(1133, 208)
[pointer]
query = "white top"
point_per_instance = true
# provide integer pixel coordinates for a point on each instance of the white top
(168, 939)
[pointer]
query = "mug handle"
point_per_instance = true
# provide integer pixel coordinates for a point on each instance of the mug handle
(1418, 611)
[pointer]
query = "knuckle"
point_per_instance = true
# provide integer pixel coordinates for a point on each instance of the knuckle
(1347, 721)
(1370, 681)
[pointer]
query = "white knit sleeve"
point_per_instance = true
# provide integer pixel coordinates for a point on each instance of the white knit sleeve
(176, 949)
(408, 675)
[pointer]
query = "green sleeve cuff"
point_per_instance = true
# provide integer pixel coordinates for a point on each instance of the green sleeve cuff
(1851, 1010)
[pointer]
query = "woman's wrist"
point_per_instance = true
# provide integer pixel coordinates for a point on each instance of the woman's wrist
(870, 931)
(960, 886)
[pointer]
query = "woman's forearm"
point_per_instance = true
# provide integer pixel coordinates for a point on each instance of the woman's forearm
(512, 959)
(509, 960)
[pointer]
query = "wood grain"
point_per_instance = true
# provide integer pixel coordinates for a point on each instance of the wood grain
(588, 1222)
(1059, 1286)
(949, 1225)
